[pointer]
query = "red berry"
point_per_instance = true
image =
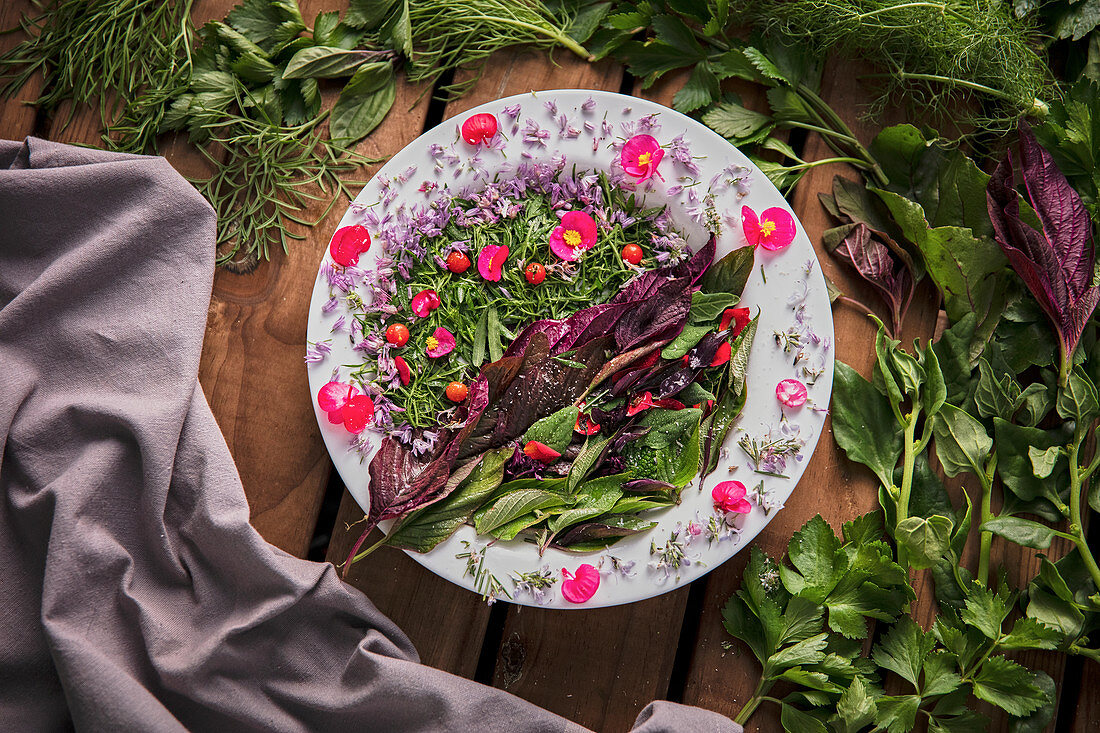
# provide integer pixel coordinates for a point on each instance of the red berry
(348, 243)
(397, 334)
(457, 262)
(457, 391)
(479, 128)
(633, 254)
(535, 273)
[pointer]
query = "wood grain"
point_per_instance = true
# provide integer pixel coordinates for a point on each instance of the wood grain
(17, 116)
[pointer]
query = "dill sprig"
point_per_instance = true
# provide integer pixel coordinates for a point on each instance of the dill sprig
(453, 34)
(934, 52)
(101, 53)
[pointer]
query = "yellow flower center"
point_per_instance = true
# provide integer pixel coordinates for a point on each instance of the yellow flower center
(767, 227)
(572, 237)
(433, 343)
(644, 158)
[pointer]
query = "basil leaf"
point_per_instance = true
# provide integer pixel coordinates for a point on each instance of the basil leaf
(356, 113)
(324, 62)
(729, 274)
(685, 342)
(708, 306)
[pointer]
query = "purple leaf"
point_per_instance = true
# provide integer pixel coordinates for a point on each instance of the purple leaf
(1057, 263)
(875, 264)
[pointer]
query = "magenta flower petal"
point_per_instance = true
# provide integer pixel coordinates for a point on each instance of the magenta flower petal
(440, 343)
(425, 302)
(336, 417)
(776, 229)
(582, 224)
(729, 496)
(791, 393)
(335, 395)
(750, 225)
(559, 247)
(491, 260)
(578, 587)
(640, 157)
(348, 243)
(358, 413)
(479, 128)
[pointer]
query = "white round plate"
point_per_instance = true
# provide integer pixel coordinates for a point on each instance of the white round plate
(786, 286)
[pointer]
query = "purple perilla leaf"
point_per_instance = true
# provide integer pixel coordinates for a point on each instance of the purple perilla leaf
(1057, 262)
(875, 264)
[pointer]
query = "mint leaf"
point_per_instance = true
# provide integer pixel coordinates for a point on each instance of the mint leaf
(1008, 686)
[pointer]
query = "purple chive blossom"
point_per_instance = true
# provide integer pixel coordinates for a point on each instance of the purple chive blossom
(552, 106)
(316, 352)
(371, 344)
(340, 325)
(611, 565)
(330, 304)
(588, 105)
(511, 110)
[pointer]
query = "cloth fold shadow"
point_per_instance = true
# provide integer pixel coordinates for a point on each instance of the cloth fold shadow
(135, 595)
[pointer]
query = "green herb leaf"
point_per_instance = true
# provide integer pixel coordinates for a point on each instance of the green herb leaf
(863, 424)
(904, 649)
(554, 430)
(898, 714)
(925, 540)
(1008, 686)
(709, 306)
(324, 62)
(729, 274)
(739, 125)
(685, 342)
(364, 102)
(515, 504)
(594, 497)
(1021, 531)
(961, 442)
(700, 90)
(985, 611)
(796, 721)
(1027, 633)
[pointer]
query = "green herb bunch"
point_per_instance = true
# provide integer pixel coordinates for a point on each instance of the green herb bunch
(100, 53)
(992, 399)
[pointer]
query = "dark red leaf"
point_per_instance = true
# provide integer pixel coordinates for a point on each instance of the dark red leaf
(876, 264)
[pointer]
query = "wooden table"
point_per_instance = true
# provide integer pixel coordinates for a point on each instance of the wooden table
(597, 667)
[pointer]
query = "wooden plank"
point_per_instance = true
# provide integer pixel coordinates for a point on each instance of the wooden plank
(16, 115)
(1086, 708)
(445, 622)
(832, 486)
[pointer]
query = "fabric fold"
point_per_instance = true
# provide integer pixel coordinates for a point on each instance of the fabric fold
(136, 595)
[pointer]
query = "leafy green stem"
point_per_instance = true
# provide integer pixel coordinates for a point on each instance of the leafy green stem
(908, 465)
(758, 696)
(555, 35)
(821, 106)
(1076, 488)
(987, 513)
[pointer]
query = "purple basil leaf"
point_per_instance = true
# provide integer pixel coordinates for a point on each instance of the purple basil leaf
(649, 282)
(704, 352)
(877, 265)
(1057, 263)
(648, 486)
(660, 317)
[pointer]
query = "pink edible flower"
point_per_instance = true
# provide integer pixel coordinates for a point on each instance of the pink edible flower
(739, 317)
(425, 302)
(348, 243)
(640, 157)
(576, 233)
(491, 260)
(440, 343)
(729, 496)
(773, 230)
(479, 129)
(345, 404)
(791, 393)
(578, 587)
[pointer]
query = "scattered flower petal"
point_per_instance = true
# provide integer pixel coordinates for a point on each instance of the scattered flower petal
(348, 243)
(578, 587)
(479, 129)
(791, 393)
(729, 496)
(739, 317)
(425, 302)
(540, 452)
(491, 260)
(403, 371)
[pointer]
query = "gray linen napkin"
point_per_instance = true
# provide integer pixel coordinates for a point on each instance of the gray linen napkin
(134, 595)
